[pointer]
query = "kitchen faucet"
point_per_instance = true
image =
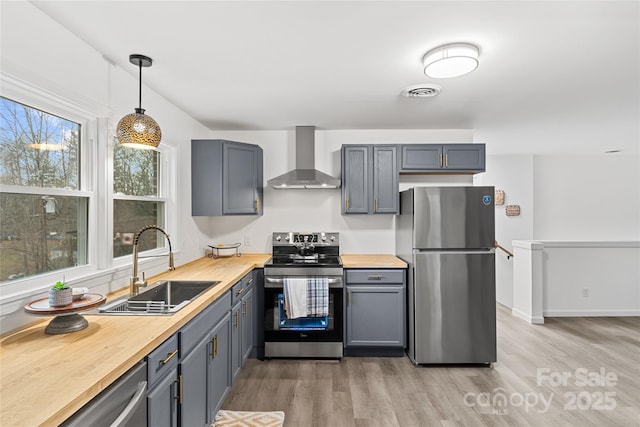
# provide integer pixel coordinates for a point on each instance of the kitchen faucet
(135, 283)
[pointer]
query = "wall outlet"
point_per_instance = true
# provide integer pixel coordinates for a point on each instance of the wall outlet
(585, 292)
(247, 240)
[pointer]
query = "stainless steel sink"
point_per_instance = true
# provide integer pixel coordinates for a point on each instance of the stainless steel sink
(165, 297)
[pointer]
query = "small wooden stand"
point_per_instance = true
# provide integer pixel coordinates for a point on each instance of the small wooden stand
(67, 318)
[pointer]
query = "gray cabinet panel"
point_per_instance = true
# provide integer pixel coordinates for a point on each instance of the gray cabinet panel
(226, 178)
(162, 360)
(418, 157)
(236, 345)
(162, 402)
(206, 178)
(461, 158)
(375, 308)
(247, 323)
(239, 179)
(370, 180)
(385, 180)
(192, 369)
(218, 372)
(355, 179)
(375, 316)
(464, 157)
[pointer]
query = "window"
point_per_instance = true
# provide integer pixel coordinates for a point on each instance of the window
(136, 199)
(43, 212)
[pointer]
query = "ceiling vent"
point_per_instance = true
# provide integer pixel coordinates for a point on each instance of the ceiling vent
(421, 91)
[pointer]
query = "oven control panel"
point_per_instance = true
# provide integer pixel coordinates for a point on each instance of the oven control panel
(291, 238)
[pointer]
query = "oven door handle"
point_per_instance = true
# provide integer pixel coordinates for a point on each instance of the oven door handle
(279, 282)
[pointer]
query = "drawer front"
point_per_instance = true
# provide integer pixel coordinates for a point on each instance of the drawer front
(191, 333)
(371, 277)
(162, 360)
(242, 287)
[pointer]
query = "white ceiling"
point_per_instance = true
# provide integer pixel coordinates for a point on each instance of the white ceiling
(550, 72)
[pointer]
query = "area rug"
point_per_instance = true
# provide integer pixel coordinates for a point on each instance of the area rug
(248, 419)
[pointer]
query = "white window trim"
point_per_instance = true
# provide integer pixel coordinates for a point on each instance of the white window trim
(102, 272)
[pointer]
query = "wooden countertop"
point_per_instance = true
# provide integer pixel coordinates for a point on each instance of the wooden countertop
(44, 379)
(372, 261)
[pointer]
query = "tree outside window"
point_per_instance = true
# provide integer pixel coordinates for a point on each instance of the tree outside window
(136, 201)
(43, 218)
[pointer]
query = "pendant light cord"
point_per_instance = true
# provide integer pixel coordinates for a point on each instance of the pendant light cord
(140, 86)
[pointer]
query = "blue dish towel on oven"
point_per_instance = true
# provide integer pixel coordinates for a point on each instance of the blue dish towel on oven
(308, 297)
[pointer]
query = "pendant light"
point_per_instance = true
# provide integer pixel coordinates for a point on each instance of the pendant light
(138, 130)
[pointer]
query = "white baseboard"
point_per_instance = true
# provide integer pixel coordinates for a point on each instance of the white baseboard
(531, 319)
(592, 313)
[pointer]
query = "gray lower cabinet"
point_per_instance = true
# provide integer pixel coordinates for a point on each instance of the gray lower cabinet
(451, 158)
(375, 308)
(204, 368)
(226, 178)
(242, 323)
(162, 402)
(162, 377)
(370, 179)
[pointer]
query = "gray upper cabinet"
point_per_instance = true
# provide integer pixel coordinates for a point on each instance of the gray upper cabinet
(226, 178)
(459, 158)
(370, 179)
(355, 179)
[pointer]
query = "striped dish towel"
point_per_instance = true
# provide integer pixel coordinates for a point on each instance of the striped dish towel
(317, 296)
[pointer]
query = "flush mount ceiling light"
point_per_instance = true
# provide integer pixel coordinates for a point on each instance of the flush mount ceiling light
(450, 60)
(138, 130)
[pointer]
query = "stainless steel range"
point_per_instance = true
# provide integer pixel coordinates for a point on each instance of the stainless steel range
(314, 257)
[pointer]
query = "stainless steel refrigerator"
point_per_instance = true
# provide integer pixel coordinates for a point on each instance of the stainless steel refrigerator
(447, 236)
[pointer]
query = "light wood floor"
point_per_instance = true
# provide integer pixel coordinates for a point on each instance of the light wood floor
(393, 392)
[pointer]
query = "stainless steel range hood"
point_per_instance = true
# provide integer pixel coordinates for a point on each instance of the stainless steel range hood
(304, 175)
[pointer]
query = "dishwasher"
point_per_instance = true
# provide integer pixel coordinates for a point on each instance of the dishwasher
(122, 404)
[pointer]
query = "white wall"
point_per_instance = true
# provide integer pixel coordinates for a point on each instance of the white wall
(318, 210)
(588, 197)
(514, 175)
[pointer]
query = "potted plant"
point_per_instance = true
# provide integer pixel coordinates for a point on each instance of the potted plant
(60, 294)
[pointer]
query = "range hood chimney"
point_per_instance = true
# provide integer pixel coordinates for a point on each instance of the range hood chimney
(304, 175)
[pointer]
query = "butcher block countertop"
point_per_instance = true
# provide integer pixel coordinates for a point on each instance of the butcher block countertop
(44, 379)
(372, 261)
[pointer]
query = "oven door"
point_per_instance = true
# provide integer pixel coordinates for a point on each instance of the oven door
(305, 336)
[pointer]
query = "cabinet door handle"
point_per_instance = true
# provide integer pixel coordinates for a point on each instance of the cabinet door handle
(244, 308)
(346, 204)
(180, 389)
(169, 357)
(348, 297)
(257, 205)
(375, 203)
(440, 159)
(446, 160)
(213, 347)
(235, 319)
